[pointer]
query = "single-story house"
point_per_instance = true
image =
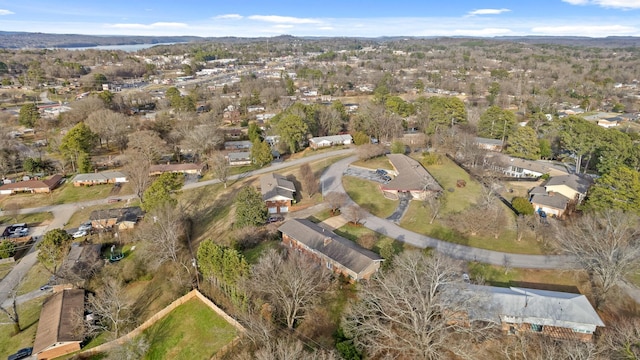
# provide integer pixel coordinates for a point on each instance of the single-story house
(517, 167)
(552, 313)
(122, 218)
(60, 325)
(105, 177)
(412, 178)
(81, 261)
(238, 145)
(489, 144)
(186, 168)
(33, 186)
(239, 158)
(338, 254)
(326, 141)
(278, 193)
(609, 122)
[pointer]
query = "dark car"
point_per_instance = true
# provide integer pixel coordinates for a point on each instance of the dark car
(21, 354)
(274, 218)
(381, 172)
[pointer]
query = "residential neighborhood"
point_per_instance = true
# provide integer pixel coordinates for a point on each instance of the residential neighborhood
(322, 198)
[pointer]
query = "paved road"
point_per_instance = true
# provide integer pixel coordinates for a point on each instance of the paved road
(62, 214)
(331, 180)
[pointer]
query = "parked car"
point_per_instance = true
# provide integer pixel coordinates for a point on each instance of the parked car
(46, 287)
(85, 226)
(79, 234)
(274, 218)
(381, 172)
(21, 354)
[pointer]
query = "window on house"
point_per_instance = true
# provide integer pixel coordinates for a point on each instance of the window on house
(536, 328)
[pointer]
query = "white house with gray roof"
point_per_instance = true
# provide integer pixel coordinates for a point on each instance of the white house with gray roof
(552, 313)
(326, 141)
(105, 177)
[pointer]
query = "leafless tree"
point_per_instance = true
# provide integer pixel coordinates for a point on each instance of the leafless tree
(137, 170)
(12, 312)
(370, 151)
(111, 306)
(81, 109)
(354, 214)
(606, 244)
(336, 200)
(527, 346)
(289, 282)
(12, 210)
(329, 121)
(622, 339)
(219, 167)
(133, 349)
(149, 144)
(435, 204)
(164, 231)
(309, 180)
(202, 139)
(110, 126)
(412, 310)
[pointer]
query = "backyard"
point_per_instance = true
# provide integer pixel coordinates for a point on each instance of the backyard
(368, 195)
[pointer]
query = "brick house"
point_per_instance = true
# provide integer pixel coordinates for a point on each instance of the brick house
(555, 314)
(58, 334)
(33, 186)
(122, 218)
(338, 254)
(412, 179)
(105, 177)
(278, 193)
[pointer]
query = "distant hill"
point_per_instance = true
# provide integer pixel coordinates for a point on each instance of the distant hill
(20, 40)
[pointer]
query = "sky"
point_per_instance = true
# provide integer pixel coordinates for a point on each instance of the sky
(372, 18)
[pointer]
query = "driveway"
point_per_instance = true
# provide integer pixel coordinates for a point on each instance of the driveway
(331, 180)
(403, 204)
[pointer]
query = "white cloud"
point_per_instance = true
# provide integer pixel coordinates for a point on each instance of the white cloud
(283, 26)
(229, 16)
(157, 25)
(616, 4)
(6, 12)
(284, 19)
(586, 30)
(487, 12)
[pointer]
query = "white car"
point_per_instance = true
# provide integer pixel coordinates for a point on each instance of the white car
(85, 226)
(79, 234)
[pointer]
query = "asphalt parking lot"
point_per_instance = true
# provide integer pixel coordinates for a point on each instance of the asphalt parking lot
(365, 174)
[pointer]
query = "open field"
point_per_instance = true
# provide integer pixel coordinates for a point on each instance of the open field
(191, 331)
(67, 193)
(36, 218)
(29, 314)
(367, 194)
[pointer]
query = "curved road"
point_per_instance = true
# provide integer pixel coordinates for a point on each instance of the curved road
(331, 180)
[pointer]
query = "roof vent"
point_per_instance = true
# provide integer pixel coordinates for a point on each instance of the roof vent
(327, 240)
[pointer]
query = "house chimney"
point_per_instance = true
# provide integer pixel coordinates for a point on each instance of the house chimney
(327, 240)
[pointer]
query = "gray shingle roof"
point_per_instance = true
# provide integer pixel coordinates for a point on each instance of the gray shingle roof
(542, 307)
(572, 181)
(556, 201)
(101, 176)
(272, 185)
(411, 175)
(341, 250)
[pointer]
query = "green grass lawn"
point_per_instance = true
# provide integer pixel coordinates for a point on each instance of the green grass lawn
(253, 254)
(29, 314)
(32, 219)
(367, 194)
(500, 276)
(417, 219)
(380, 162)
(447, 174)
(35, 278)
(191, 331)
(381, 242)
(67, 193)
